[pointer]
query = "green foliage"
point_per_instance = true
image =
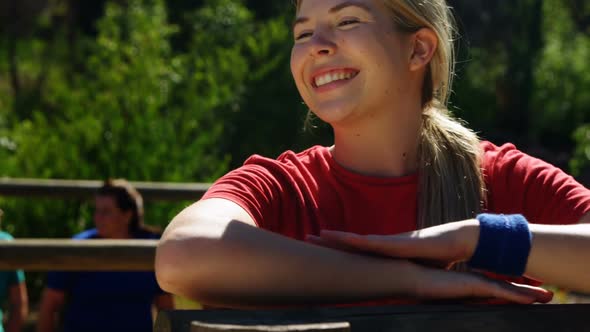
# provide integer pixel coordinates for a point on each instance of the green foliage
(475, 95)
(136, 110)
(125, 103)
(581, 158)
(562, 83)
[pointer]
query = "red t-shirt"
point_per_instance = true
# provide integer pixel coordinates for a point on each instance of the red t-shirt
(302, 193)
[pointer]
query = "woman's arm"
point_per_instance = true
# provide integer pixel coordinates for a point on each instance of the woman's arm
(164, 302)
(18, 306)
(559, 253)
(51, 303)
(212, 252)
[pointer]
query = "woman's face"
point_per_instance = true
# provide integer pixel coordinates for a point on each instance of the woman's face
(110, 221)
(347, 60)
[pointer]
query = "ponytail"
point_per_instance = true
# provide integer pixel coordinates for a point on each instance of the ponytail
(451, 184)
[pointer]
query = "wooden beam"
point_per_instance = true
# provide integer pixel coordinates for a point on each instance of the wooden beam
(324, 327)
(439, 317)
(86, 189)
(77, 255)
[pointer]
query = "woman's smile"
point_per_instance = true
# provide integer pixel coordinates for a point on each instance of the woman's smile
(324, 80)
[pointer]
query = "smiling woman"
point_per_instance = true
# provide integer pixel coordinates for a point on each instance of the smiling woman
(379, 73)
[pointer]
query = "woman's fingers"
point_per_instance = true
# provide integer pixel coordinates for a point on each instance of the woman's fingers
(518, 293)
(445, 285)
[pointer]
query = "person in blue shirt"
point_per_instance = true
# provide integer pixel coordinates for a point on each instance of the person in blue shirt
(14, 291)
(106, 301)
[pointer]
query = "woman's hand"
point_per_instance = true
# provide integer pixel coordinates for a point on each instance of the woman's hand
(437, 284)
(440, 246)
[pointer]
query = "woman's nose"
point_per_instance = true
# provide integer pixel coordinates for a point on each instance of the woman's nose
(322, 44)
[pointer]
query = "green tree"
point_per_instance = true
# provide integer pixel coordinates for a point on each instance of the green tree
(136, 110)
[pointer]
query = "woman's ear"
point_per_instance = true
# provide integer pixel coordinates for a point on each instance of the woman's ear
(424, 45)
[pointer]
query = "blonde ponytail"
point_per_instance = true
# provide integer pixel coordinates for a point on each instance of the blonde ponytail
(451, 182)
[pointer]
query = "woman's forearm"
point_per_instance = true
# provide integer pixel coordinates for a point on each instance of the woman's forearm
(560, 255)
(231, 263)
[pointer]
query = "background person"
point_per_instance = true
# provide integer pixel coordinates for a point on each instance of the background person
(106, 301)
(13, 291)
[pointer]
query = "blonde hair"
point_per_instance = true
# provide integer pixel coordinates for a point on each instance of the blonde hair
(451, 184)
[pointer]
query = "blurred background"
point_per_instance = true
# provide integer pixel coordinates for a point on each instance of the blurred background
(185, 90)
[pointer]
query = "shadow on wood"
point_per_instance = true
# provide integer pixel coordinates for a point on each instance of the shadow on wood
(480, 318)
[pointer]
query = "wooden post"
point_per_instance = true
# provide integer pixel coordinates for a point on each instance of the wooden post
(85, 189)
(77, 255)
(325, 327)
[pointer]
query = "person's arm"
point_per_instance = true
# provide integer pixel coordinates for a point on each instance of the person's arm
(52, 302)
(213, 252)
(559, 253)
(18, 307)
(164, 302)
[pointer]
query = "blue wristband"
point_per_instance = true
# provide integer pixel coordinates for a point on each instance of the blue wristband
(504, 244)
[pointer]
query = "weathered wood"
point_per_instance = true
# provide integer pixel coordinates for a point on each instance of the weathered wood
(77, 255)
(84, 189)
(481, 318)
(323, 327)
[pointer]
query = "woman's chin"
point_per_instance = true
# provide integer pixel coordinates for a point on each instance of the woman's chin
(334, 113)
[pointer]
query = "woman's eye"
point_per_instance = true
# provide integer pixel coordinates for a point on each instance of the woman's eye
(348, 22)
(303, 35)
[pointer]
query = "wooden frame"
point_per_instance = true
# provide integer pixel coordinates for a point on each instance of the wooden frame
(77, 255)
(433, 317)
(169, 191)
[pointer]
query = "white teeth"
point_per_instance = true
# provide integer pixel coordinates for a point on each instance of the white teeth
(331, 77)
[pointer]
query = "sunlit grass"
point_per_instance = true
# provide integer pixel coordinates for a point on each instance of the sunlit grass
(184, 303)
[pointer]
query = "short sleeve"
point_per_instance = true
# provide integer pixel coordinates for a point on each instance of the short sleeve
(519, 183)
(255, 187)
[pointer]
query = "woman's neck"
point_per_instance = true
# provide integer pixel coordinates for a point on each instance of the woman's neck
(384, 146)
